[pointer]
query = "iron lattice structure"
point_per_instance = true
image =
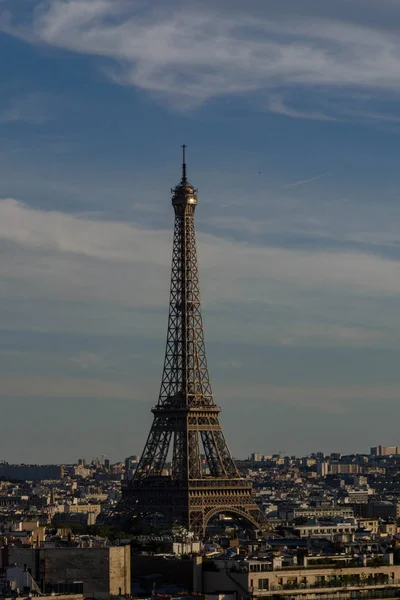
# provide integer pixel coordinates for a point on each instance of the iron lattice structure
(203, 479)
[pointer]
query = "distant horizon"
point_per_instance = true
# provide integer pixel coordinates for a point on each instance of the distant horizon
(118, 461)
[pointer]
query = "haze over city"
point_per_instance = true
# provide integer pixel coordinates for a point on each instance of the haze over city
(291, 116)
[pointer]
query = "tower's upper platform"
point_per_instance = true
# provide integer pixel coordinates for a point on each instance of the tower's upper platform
(184, 193)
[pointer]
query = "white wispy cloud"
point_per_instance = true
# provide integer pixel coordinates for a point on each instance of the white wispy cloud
(193, 52)
(123, 242)
(68, 233)
(276, 105)
(308, 180)
(113, 277)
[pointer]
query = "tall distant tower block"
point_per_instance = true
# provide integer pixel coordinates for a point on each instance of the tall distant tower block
(202, 479)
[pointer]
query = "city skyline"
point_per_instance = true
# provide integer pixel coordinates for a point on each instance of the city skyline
(291, 119)
(380, 450)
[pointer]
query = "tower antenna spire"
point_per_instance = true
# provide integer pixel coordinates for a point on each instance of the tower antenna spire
(184, 162)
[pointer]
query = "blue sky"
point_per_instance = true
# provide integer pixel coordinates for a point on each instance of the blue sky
(290, 111)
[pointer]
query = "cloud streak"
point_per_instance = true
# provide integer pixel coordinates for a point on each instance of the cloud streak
(192, 53)
(276, 105)
(304, 181)
(120, 242)
(113, 276)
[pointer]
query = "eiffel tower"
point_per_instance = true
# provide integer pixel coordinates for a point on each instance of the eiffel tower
(203, 479)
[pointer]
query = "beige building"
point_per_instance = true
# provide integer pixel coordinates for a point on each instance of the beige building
(301, 581)
(371, 525)
(325, 529)
(289, 514)
(325, 468)
(27, 532)
(36, 532)
(82, 508)
(388, 529)
(104, 572)
(385, 450)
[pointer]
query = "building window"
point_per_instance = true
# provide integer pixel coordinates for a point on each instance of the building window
(263, 584)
